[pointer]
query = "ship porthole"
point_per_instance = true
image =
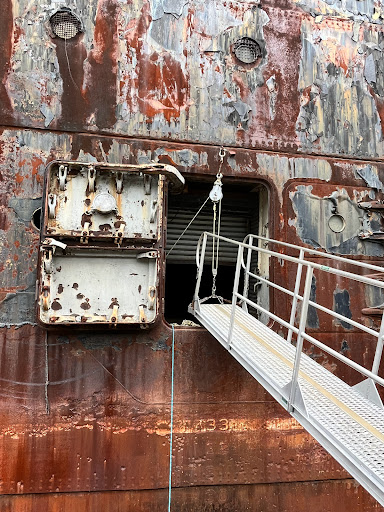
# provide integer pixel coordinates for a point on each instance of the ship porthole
(336, 223)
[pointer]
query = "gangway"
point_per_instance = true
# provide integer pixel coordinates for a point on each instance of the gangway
(348, 421)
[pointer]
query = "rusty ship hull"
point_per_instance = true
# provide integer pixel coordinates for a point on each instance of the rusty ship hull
(85, 415)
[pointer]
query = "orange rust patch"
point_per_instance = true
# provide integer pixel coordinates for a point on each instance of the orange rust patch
(162, 87)
(241, 85)
(36, 162)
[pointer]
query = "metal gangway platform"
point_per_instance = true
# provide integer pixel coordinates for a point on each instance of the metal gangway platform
(348, 421)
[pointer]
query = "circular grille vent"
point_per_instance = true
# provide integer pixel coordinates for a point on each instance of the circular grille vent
(247, 50)
(65, 24)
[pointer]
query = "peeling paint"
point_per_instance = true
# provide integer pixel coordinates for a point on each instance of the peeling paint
(370, 177)
(282, 169)
(313, 213)
(157, 80)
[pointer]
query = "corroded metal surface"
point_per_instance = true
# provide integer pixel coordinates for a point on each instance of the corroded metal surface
(156, 80)
(108, 398)
(299, 497)
(295, 199)
(167, 70)
(107, 394)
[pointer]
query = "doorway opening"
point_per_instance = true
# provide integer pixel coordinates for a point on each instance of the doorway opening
(244, 210)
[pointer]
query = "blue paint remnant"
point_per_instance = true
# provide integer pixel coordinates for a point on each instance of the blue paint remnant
(342, 306)
(160, 343)
(344, 347)
(312, 317)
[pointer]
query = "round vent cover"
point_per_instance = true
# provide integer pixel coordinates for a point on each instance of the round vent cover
(247, 50)
(65, 24)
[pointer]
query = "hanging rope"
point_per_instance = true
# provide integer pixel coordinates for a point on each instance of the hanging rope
(216, 196)
(215, 247)
(174, 245)
(171, 427)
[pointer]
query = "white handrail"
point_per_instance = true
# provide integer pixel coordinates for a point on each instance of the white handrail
(319, 253)
(310, 265)
(317, 343)
(315, 305)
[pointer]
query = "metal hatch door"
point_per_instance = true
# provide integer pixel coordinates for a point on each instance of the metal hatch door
(102, 243)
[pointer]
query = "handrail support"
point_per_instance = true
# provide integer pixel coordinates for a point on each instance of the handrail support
(234, 296)
(300, 339)
(296, 294)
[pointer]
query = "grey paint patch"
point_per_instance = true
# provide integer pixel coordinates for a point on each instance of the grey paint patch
(370, 177)
(341, 305)
(360, 10)
(238, 113)
(185, 157)
(48, 114)
(18, 308)
(188, 158)
(312, 316)
(272, 91)
(374, 296)
(370, 69)
(94, 341)
(326, 121)
(213, 18)
(161, 7)
(281, 169)
(312, 216)
(166, 32)
(24, 207)
(344, 347)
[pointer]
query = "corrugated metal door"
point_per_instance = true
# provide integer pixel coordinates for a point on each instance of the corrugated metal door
(234, 224)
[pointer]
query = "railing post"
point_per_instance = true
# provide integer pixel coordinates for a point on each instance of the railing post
(296, 293)
(299, 344)
(379, 348)
(200, 270)
(235, 291)
(246, 274)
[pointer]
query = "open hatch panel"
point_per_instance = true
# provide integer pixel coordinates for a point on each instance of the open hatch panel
(102, 240)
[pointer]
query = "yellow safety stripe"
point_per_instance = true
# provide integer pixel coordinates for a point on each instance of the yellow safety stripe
(309, 379)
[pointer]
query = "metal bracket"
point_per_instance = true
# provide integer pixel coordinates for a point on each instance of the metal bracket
(368, 389)
(371, 205)
(115, 313)
(47, 259)
(147, 184)
(84, 239)
(150, 254)
(298, 402)
(120, 234)
(51, 242)
(63, 170)
(91, 178)
(45, 297)
(52, 201)
(373, 235)
(154, 209)
(143, 318)
(151, 298)
(119, 182)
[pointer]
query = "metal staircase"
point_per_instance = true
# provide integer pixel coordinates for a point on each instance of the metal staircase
(348, 421)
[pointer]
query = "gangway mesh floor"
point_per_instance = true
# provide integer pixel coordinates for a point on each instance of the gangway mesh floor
(348, 425)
